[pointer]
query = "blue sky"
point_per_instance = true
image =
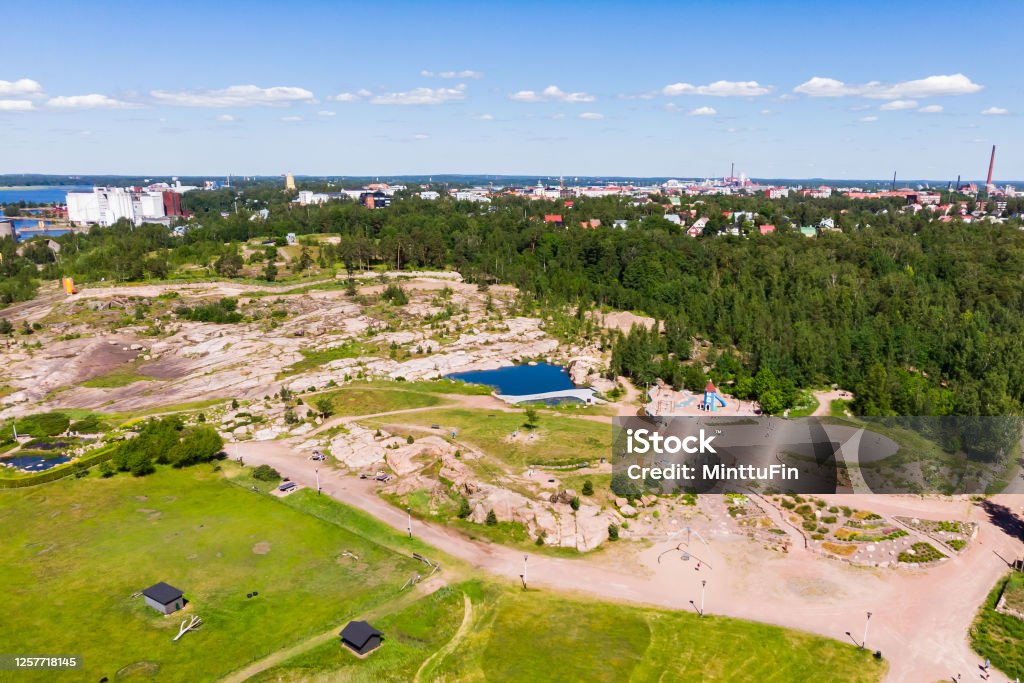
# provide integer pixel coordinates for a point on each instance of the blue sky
(783, 89)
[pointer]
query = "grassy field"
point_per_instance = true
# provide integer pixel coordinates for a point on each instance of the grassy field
(1000, 637)
(76, 551)
(556, 439)
(366, 399)
(537, 636)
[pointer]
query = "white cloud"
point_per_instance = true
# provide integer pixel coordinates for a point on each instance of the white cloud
(868, 119)
(325, 113)
(467, 73)
(766, 112)
(234, 96)
(591, 116)
(718, 89)
(346, 97)
(16, 105)
(484, 117)
(421, 136)
(24, 87)
(702, 111)
(932, 86)
(995, 111)
(825, 87)
(226, 118)
(421, 96)
(931, 109)
(552, 93)
(898, 105)
(291, 119)
(91, 101)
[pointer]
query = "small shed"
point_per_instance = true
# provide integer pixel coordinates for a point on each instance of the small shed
(360, 637)
(164, 598)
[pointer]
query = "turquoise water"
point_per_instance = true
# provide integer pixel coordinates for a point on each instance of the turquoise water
(517, 380)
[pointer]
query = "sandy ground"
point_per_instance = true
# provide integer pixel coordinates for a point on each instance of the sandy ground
(919, 618)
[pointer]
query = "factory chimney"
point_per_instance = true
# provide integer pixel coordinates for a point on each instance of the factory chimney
(991, 164)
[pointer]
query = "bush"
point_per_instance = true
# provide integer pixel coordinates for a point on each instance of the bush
(107, 470)
(575, 503)
(464, 509)
(492, 519)
(221, 312)
(395, 294)
(613, 532)
(266, 473)
(409, 439)
(588, 488)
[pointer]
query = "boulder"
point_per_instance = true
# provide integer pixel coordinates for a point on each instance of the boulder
(628, 510)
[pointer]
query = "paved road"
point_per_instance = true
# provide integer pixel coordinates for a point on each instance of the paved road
(920, 618)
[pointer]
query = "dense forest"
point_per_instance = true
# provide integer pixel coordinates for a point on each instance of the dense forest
(915, 316)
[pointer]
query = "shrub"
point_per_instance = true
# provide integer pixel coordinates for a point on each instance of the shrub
(395, 294)
(588, 488)
(266, 473)
(613, 532)
(492, 519)
(464, 509)
(575, 503)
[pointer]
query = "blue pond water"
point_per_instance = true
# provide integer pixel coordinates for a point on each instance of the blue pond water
(517, 380)
(35, 463)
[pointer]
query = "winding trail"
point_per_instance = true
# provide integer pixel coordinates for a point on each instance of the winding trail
(449, 647)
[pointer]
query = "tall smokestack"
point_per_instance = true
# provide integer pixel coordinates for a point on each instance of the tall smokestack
(991, 164)
(732, 170)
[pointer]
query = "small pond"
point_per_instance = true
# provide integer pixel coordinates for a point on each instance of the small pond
(35, 463)
(516, 380)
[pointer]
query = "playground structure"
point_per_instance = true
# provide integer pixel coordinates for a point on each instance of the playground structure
(711, 397)
(68, 285)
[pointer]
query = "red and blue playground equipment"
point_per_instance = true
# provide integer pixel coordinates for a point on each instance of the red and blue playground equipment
(711, 397)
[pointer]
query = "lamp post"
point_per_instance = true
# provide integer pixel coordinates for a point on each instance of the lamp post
(867, 622)
(408, 512)
(317, 481)
(523, 575)
(703, 584)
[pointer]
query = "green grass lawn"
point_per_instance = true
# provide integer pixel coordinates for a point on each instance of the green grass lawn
(1000, 637)
(366, 399)
(558, 439)
(76, 550)
(314, 358)
(118, 377)
(538, 636)
(412, 635)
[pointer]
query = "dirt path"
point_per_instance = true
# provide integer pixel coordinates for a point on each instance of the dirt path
(270, 661)
(449, 647)
(825, 399)
(923, 637)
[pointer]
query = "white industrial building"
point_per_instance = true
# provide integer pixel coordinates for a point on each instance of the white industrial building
(106, 205)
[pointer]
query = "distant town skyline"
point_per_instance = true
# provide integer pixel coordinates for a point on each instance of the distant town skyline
(786, 90)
